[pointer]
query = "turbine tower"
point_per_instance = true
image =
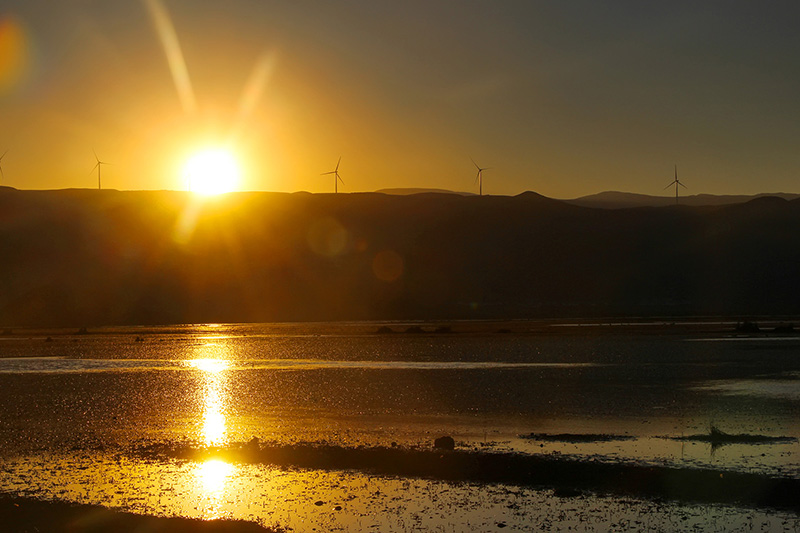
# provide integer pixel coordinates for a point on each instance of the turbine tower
(97, 166)
(336, 178)
(1, 165)
(479, 176)
(676, 182)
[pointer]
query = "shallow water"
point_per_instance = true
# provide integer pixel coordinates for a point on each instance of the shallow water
(315, 500)
(344, 384)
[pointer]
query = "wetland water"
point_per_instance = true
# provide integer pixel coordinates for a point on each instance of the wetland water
(75, 408)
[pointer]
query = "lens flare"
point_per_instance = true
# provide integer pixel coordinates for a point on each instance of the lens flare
(172, 49)
(14, 59)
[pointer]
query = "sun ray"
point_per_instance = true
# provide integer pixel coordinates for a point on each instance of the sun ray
(253, 89)
(172, 49)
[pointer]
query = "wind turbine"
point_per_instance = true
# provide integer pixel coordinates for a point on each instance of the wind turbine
(676, 182)
(97, 166)
(1, 165)
(336, 178)
(479, 176)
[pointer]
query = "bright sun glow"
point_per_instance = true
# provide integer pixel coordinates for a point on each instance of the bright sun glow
(213, 478)
(210, 172)
(213, 474)
(209, 365)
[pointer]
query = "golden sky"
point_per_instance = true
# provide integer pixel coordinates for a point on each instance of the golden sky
(562, 98)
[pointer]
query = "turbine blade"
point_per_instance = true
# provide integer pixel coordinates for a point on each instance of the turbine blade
(94, 167)
(682, 185)
(668, 186)
(474, 163)
(95, 155)
(4, 154)
(337, 163)
(326, 173)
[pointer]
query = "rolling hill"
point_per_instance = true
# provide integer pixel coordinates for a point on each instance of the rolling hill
(87, 257)
(622, 200)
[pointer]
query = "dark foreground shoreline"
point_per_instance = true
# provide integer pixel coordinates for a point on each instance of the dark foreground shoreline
(23, 515)
(565, 476)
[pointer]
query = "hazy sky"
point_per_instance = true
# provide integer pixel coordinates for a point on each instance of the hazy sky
(565, 98)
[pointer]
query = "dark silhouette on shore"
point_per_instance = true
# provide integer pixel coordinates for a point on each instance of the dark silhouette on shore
(78, 258)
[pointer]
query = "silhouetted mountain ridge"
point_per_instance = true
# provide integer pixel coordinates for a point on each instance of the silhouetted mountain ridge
(86, 257)
(621, 200)
(403, 191)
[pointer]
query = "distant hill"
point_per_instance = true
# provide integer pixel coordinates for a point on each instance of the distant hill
(619, 200)
(88, 257)
(410, 190)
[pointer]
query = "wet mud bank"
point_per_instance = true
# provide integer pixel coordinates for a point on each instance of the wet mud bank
(566, 476)
(26, 514)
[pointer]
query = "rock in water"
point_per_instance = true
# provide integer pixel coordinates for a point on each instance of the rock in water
(444, 443)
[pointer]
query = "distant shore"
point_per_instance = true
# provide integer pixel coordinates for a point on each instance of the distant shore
(778, 325)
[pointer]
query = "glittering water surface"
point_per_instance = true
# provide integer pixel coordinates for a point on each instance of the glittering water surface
(345, 384)
(315, 500)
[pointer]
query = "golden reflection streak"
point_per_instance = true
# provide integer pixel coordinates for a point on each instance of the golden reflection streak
(209, 365)
(214, 400)
(213, 476)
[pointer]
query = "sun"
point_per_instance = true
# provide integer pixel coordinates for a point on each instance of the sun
(212, 171)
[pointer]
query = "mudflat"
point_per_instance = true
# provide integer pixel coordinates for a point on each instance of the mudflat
(27, 514)
(306, 426)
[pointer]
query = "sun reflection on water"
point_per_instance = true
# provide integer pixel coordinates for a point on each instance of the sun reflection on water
(214, 398)
(213, 474)
(209, 365)
(212, 478)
